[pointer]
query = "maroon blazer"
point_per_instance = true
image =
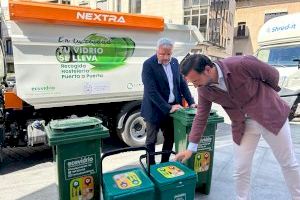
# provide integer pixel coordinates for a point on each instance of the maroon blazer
(252, 87)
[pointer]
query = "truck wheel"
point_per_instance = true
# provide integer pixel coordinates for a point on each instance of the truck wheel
(134, 131)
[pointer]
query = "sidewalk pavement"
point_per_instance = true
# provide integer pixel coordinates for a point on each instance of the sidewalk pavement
(35, 180)
(267, 182)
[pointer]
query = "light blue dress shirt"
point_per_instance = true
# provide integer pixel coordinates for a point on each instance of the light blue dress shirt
(169, 74)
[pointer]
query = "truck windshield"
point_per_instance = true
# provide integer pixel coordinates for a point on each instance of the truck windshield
(280, 56)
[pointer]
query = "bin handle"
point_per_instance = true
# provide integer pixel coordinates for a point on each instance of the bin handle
(117, 151)
(152, 154)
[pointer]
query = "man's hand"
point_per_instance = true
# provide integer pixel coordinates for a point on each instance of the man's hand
(175, 107)
(193, 105)
(183, 156)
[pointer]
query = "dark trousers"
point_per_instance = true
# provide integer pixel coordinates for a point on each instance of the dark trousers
(167, 129)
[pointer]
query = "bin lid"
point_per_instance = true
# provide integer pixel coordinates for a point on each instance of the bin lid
(66, 131)
(186, 113)
(126, 182)
(186, 116)
(170, 174)
(74, 123)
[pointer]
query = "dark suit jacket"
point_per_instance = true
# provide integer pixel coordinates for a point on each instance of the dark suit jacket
(155, 106)
(252, 89)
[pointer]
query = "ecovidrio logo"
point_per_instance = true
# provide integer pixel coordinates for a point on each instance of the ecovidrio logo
(43, 88)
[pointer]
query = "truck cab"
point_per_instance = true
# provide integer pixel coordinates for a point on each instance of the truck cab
(279, 45)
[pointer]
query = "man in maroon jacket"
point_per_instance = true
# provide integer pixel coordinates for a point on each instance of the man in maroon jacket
(247, 90)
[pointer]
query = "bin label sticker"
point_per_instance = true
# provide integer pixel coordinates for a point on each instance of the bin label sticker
(170, 171)
(202, 161)
(180, 196)
(82, 188)
(127, 180)
(206, 143)
(80, 166)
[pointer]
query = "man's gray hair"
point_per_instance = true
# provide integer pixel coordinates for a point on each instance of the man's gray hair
(165, 42)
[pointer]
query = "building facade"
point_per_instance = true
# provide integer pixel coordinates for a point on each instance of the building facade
(251, 15)
(214, 18)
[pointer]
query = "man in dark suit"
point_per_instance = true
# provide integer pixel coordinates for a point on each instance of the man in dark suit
(247, 90)
(164, 89)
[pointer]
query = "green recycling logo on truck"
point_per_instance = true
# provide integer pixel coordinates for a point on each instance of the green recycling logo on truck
(104, 53)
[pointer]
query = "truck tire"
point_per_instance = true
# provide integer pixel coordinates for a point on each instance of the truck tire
(134, 131)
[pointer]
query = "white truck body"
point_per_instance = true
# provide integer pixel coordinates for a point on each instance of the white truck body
(42, 81)
(279, 45)
(78, 61)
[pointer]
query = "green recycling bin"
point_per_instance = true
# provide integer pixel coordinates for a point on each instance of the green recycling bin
(201, 161)
(126, 184)
(172, 180)
(77, 149)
